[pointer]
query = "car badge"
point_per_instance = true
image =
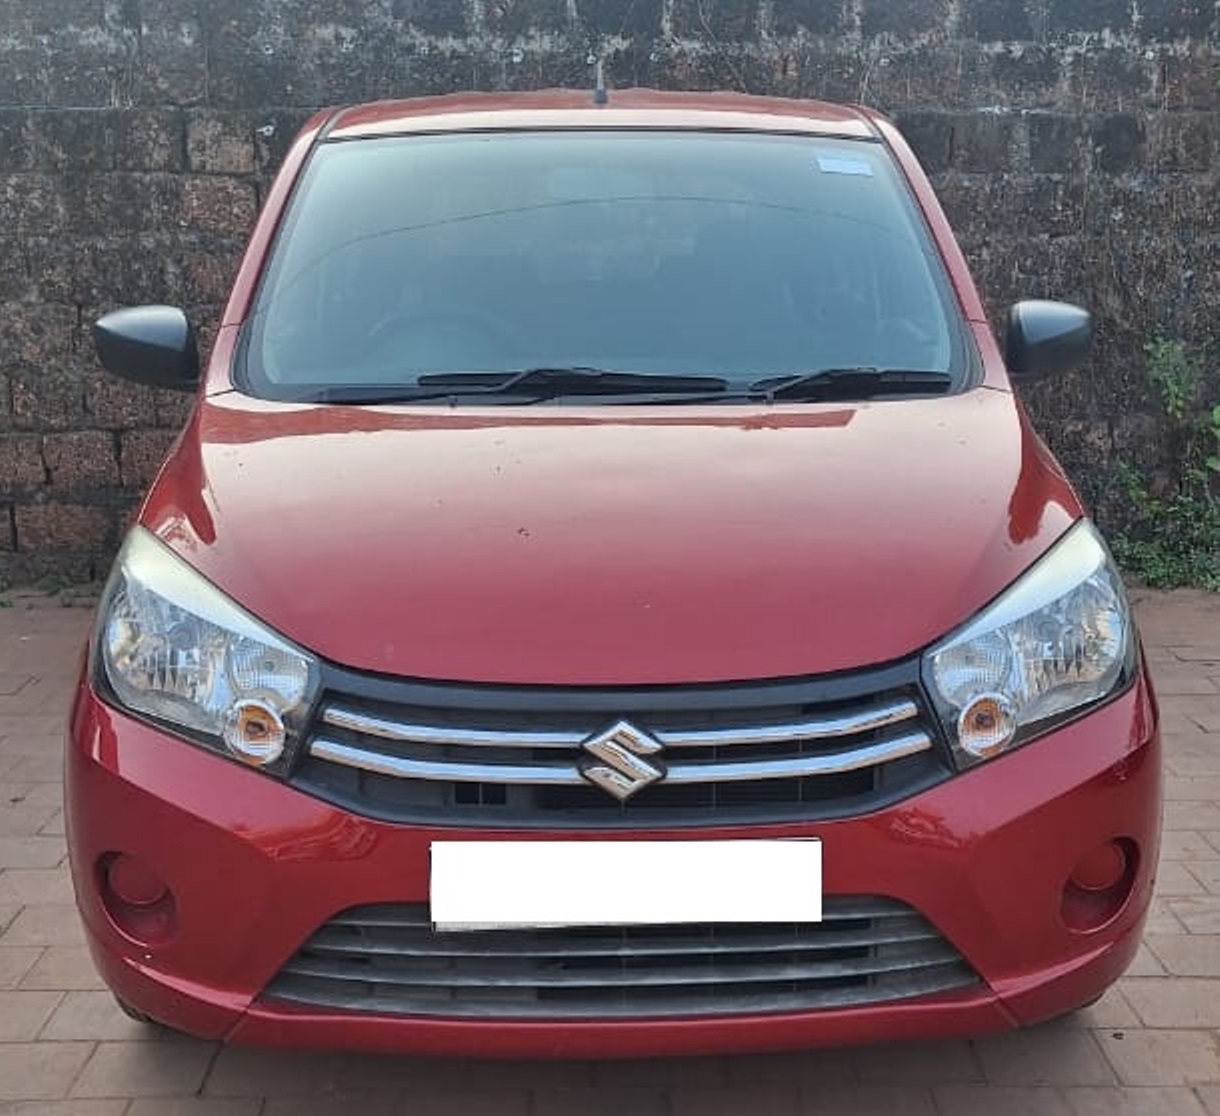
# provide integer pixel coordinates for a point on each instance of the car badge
(623, 770)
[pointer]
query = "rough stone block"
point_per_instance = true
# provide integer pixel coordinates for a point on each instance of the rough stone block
(1065, 17)
(922, 76)
(997, 21)
(1057, 144)
(1185, 80)
(983, 142)
(220, 143)
(221, 206)
(250, 66)
(141, 455)
(434, 17)
(82, 459)
(1184, 142)
(112, 272)
(41, 17)
(1138, 441)
(513, 19)
(114, 404)
(21, 464)
(84, 141)
(273, 136)
(173, 407)
(828, 72)
(74, 527)
(31, 203)
(637, 65)
(981, 207)
(46, 399)
(1178, 19)
(36, 334)
(16, 282)
(68, 65)
(931, 136)
(813, 17)
(1119, 142)
(629, 19)
(148, 139)
(903, 18)
(112, 204)
(14, 153)
(1020, 76)
(726, 21)
(1110, 79)
(172, 61)
(207, 275)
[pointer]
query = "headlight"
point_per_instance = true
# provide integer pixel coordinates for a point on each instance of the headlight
(173, 648)
(1058, 640)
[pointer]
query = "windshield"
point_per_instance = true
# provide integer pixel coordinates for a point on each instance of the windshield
(740, 257)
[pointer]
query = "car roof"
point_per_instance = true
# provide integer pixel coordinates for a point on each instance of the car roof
(627, 108)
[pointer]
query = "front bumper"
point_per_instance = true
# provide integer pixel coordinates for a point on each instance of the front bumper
(256, 867)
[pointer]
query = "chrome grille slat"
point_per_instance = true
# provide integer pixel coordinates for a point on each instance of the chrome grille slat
(867, 951)
(559, 757)
(834, 763)
(366, 724)
(329, 942)
(841, 908)
(341, 716)
(340, 996)
(403, 767)
(481, 972)
(549, 774)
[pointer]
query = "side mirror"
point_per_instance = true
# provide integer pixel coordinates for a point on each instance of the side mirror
(152, 345)
(1046, 337)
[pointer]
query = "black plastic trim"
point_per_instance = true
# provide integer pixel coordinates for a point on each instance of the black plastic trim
(894, 782)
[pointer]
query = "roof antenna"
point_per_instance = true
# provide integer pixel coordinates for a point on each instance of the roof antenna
(600, 96)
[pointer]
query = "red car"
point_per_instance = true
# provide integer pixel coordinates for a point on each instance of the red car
(608, 600)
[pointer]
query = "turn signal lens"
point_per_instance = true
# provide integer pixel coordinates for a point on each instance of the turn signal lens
(986, 725)
(254, 732)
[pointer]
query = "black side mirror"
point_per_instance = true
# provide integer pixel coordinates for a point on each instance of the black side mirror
(1046, 337)
(152, 345)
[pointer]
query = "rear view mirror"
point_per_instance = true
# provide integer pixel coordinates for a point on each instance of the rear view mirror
(152, 345)
(1046, 337)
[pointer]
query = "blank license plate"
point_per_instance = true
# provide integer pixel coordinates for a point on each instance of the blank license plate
(479, 885)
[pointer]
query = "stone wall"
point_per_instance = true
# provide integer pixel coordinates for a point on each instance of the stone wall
(1074, 142)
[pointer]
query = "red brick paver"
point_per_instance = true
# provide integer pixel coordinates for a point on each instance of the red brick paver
(1151, 1047)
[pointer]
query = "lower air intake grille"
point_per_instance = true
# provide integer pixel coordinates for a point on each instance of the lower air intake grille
(387, 960)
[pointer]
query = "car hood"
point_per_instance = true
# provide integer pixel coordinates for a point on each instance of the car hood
(611, 545)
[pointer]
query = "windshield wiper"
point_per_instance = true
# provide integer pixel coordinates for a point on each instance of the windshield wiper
(534, 385)
(862, 382)
(546, 383)
(531, 384)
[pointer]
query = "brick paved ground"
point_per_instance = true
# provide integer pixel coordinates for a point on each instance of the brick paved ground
(1151, 1047)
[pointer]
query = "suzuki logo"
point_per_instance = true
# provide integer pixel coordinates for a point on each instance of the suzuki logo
(622, 771)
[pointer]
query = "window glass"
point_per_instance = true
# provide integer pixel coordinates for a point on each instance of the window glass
(722, 254)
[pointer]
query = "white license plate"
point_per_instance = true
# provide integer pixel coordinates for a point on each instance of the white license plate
(479, 885)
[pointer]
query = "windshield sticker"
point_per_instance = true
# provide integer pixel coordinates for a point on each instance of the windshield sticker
(843, 164)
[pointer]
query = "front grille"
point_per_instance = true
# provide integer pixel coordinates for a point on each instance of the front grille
(516, 756)
(388, 960)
